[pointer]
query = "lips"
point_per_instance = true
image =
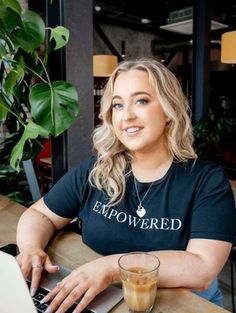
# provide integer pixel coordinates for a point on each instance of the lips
(133, 129)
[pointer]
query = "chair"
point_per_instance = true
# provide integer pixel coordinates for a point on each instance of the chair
(45, 174)
(43, 167)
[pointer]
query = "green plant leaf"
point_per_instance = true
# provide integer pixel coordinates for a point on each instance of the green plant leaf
(32, 32)
(61, 36)
(15, 76)
(4, 108)
(3, 50)
(32, 131)
(29, 62)
(7, 43)
(11, 21)
(13, 4)
(54, 108)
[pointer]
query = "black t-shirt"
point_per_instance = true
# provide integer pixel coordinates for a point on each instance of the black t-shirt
(193, 200)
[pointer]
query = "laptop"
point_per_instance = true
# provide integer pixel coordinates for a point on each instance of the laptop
(15, 295)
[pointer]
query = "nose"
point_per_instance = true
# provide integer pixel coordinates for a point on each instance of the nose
(128, 113)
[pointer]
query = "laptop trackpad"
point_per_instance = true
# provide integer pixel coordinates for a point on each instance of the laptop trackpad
(102, 303)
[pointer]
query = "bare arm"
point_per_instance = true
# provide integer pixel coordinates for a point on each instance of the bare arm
(194, 268)
(37, 225)
(34, 230)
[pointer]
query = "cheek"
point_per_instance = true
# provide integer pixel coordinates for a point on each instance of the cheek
(158, 117)
(115, 122)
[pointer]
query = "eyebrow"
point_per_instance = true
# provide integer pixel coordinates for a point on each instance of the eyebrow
(134, 94)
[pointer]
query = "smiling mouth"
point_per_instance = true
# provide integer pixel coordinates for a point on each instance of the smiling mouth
(132, 130)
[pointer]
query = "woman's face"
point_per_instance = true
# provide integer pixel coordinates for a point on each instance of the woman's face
(137, 117)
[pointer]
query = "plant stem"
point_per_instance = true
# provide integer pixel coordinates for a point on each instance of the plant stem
(29, 69)
(45, 70)
(50, 85)
(13, 113)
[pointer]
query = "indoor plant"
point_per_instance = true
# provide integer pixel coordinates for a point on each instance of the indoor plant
(31, 106)
(214, 137)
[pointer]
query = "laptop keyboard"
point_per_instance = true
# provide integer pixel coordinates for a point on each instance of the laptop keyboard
(42, 307)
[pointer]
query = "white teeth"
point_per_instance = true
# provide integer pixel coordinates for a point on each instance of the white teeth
(132, 129)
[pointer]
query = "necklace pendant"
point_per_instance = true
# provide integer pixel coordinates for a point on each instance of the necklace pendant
(140, 211)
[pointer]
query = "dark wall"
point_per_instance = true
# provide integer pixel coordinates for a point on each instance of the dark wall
(79, 54)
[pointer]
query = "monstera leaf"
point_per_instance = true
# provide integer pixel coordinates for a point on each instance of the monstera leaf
(60, 35)
(26, 31)
(31, 105)
(32, 131)
(13, 4)
(55, 106)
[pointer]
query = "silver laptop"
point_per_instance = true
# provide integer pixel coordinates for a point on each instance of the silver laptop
(15, 295)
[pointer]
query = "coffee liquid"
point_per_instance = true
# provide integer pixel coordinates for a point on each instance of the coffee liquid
(140, 290)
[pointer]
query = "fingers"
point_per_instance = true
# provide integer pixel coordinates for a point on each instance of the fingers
(63, 296)
(37, 270)
(33, 262)
(87, 298)
(81, 284)
(74, 295)
(35, 277)
(49, 267)
(60, 303)
(66, 293)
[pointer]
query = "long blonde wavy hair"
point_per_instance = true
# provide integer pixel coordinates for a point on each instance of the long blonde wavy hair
(113, 159)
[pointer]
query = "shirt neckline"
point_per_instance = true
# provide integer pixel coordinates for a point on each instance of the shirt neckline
(155, 182)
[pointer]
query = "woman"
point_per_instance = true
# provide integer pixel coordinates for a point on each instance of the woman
(143, 190)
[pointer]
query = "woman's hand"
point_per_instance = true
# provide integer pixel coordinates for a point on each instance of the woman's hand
(32, 262)
(85, 282)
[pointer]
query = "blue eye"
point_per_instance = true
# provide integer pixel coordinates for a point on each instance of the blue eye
(141, 101)
(117, 106)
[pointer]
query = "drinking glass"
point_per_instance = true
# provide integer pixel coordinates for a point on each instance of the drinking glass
(139, 275)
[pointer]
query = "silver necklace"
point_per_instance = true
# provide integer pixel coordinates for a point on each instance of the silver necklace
(141, 210)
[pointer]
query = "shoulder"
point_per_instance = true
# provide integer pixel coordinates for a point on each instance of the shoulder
(201, 173)
(199, 167)
(79, 173)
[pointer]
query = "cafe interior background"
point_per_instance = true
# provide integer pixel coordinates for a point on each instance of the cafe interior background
(185, 35)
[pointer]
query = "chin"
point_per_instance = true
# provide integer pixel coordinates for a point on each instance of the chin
(136, 149)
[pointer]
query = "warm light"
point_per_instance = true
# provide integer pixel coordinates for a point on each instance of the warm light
(104, 65)
(228, 47)
(97, 8)
(145, 21)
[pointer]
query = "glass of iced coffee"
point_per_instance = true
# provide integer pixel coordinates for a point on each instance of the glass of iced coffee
(139, 275)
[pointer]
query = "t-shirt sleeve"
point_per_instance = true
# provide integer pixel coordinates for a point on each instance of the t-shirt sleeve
(214, 212)
(65, 196)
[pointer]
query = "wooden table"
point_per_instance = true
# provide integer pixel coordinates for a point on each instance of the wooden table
(67, 249)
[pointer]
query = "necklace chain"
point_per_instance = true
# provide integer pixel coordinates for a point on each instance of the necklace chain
(140, 206)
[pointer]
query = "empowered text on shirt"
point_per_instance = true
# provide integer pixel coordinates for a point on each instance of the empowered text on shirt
(162, 223)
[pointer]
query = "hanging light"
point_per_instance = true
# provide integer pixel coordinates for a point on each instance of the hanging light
(104, 65)
(228, 47)
(145, 21)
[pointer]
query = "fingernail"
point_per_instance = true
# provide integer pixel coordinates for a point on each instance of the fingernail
(32, 291)
(57, 266)
(58, 311)
(43, 300)
(48, 311)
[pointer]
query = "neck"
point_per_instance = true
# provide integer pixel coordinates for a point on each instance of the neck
(151, 167)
